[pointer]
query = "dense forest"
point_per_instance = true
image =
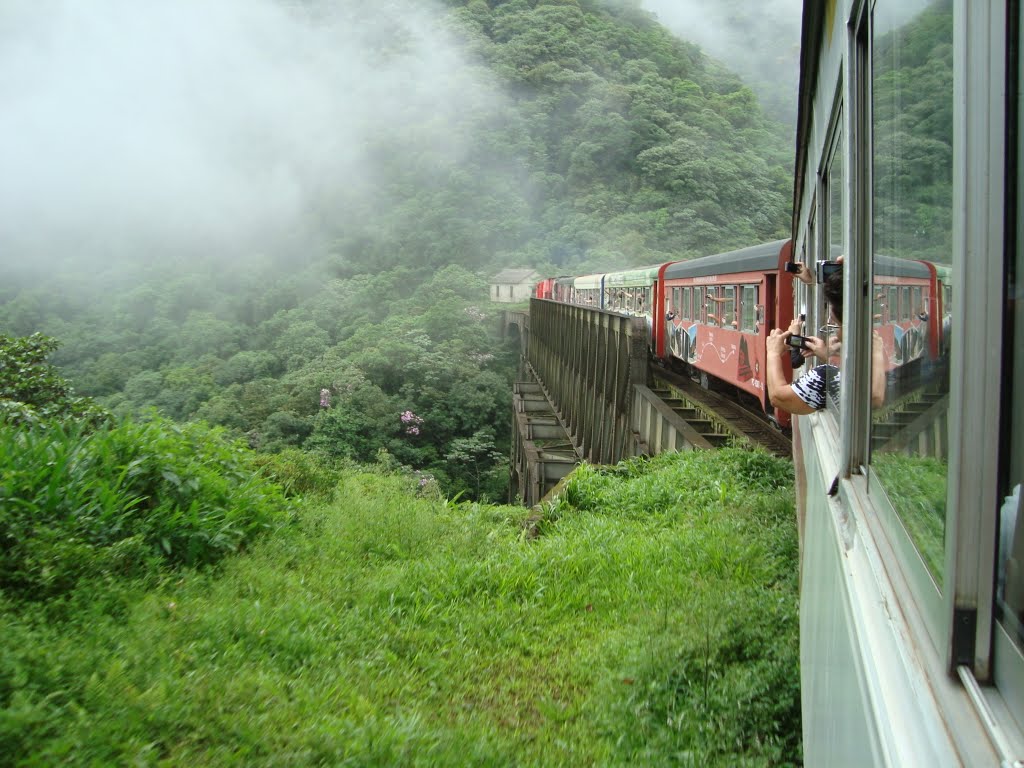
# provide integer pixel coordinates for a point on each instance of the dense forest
(575, 135)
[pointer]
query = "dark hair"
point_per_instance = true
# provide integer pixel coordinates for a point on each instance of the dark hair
(834, 292)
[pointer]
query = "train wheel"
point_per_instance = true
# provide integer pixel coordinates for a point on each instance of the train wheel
(704, 381)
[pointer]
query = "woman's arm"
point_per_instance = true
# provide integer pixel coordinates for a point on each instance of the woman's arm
(780, 393)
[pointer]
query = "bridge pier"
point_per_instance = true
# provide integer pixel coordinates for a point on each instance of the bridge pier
(582, 395)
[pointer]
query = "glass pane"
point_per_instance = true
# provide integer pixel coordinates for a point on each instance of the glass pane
(749, 302)
(1010, 572)
(712, 302)
(829, 328)
(912, 91)
(1010, 585)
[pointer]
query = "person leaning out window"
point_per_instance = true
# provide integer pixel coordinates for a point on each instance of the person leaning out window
(808, 393)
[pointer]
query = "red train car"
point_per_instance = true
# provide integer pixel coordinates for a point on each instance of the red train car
(908, 310)
(712, 315)
(719, 310)
(545, 288)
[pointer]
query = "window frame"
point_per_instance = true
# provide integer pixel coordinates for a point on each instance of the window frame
(749, 297)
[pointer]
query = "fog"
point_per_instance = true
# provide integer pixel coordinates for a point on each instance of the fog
(141, 128)
(759, 41)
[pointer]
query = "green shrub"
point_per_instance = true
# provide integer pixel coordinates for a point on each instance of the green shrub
(31, 390)
(120, 499)
(299, 473)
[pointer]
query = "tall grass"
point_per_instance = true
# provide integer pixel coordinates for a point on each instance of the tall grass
(651, 622)
(121, 499)
(916, 488)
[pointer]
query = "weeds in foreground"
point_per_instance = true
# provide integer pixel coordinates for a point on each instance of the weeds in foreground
(652, 621)
(119, 500)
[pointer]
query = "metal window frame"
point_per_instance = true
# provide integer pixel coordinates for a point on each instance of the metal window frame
(836, 148)
(858, 267)
(979, 154)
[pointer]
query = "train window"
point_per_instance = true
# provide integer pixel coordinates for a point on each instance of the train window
(712, 302)
(912, 215)
(748, 305)
(1010, 581)
(684, 312)
(833, 229)
(728, 314)
(1010, 555)
(806, 298)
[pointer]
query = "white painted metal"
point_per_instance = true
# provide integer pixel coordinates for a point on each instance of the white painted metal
(878, 686)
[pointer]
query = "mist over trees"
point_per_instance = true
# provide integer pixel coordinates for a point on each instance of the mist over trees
(759, 41)
(226, 211)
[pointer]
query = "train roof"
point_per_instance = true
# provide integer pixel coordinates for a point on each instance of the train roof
(632, 277)
(588, 281)
(891, 266)
(756, 258)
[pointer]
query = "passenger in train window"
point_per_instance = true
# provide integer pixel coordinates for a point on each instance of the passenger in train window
(807, 393)
(803, 273)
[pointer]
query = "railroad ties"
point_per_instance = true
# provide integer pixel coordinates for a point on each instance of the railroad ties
(719, 419)
(916, 424)
(542, 452)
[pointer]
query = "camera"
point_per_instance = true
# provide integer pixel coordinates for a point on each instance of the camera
(792, 266)
(797, 342)
(826, 268)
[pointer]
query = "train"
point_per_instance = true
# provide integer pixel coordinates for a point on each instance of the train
(908, 144)
(710, 316)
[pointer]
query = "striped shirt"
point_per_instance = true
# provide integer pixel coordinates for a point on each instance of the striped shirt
(812, 386)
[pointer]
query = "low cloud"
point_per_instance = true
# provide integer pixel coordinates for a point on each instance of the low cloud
(759, 41)
(133, 128)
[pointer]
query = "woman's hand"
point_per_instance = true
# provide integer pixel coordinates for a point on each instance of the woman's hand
(815, 348)
(775, 344)
(877, 348)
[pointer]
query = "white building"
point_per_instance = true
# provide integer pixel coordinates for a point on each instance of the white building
(514, 285)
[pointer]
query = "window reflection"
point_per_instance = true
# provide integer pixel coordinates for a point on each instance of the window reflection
(834, 249)
(1010, 572)
(912, 88)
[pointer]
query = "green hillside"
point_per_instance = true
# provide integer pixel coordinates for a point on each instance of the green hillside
(579, 135)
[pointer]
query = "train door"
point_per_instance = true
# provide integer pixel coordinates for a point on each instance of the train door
(771, 302)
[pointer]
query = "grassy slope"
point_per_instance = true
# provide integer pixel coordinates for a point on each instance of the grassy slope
(652, 621)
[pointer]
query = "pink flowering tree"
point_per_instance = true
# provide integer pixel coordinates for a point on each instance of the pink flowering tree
(411, 422)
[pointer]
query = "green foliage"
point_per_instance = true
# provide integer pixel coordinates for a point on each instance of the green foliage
(913, 135)
(726, 685)
(916, 488)
(390, 629)
(299, 473)
(78, 503)
(481, 470)
(31, 389)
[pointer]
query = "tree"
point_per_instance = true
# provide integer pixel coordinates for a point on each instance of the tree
(32, 390)
(474, 463)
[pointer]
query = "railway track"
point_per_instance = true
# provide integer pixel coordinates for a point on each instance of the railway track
(719, 418)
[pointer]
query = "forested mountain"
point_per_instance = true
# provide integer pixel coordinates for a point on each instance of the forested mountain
(760, 41)
(337, 280)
